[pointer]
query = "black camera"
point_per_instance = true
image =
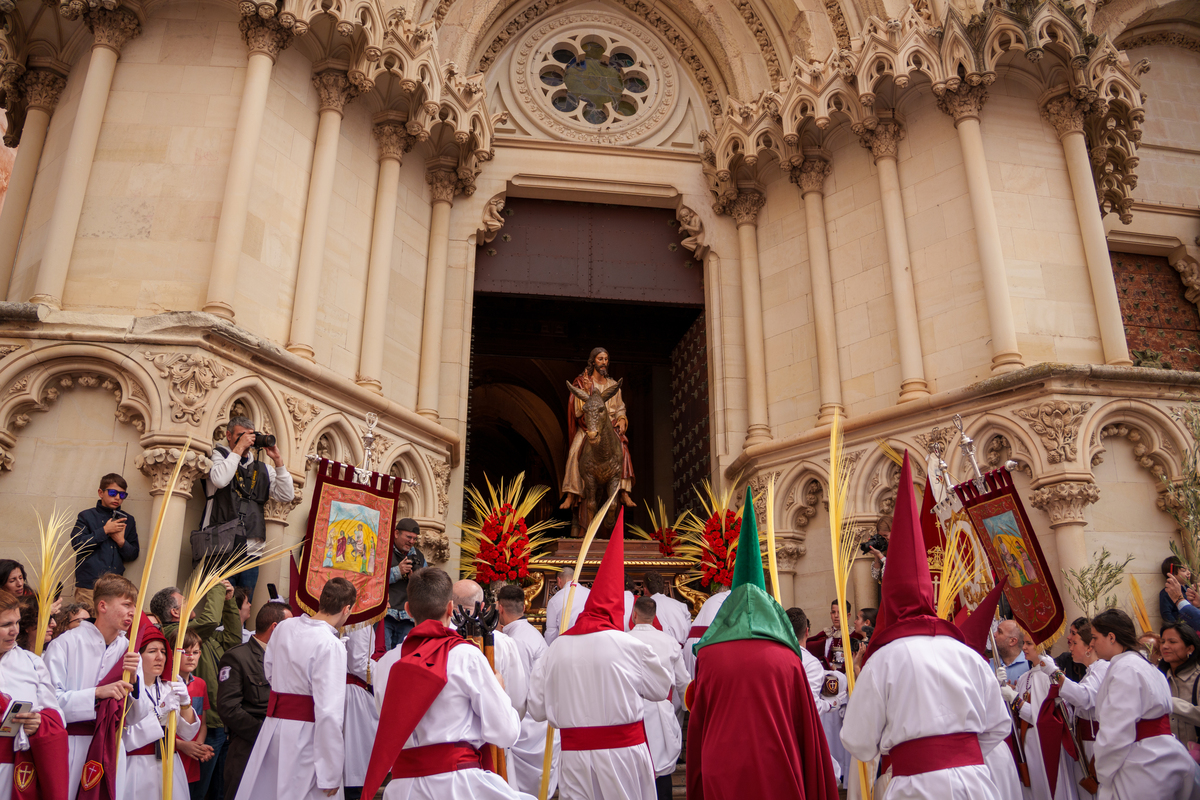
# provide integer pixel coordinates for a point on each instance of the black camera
(264, 440)
(878, 541)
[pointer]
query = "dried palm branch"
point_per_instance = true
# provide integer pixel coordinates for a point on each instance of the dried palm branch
(892, 454)
(771, 560)
(1139, 606)
(959, 568)
(667, 534)
(55, 559)
(501, 545)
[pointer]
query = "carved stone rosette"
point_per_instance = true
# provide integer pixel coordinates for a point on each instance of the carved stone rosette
(158, 463)
(1065, 502)
(279, 511)
(884, 140)
(745, 207)
(265, 35)
(1057, 422)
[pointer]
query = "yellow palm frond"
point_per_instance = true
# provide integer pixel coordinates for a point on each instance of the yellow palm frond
(889, 451)
(56, 557)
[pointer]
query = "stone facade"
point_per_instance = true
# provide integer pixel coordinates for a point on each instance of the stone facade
(902, 211)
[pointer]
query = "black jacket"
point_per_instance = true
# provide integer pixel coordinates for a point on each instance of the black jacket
(242, 690)
(95, 551)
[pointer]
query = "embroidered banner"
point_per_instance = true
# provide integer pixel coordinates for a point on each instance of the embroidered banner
(349, 536)
(1012, 548)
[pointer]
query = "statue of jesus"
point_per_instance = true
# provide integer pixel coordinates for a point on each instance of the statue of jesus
(595, 376)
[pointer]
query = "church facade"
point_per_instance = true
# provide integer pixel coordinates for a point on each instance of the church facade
(894, 212)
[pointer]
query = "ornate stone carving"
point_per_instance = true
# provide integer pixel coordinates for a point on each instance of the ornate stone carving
(322, 447)
(443, 184)
(811, 174)
(157, 464)
(129, 417)
(394, 140)
(746, 9)
(1162, 39)
(884, 140)
(334, 89)
(434, 544)
(493, 220)
(938, 436)
(1057, 423)
(744, 209)
(303, 412)
(441, 478)
(41, 88)
(112, 28)
(965, 102)
(6, 459)
(20, 384)
(788, 552)
(191, 378)
(758, 487)
(279, 511)
(837, 20)
(1067, 113)
(8, 349)
(1141, 451)
(809, 497)
(690, 222)
(1113, 138)
(265, 35)
(1065, 501)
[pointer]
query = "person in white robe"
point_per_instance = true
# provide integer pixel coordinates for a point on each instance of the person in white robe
(504, 650)
(362, 715)
(82, 657)
(1081, 697)
(674, 615)
(527, 756)
(24, 678)
(299, 753)
(1032, 688)
(663, 732)
(1135, 751)
(704, 618)
(828, 691)
(554, 607)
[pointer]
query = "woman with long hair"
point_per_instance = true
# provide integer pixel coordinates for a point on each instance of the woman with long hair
(13, 579)
(1135, 750)
(1032, 689)
(1081, 695)
(1181, 664)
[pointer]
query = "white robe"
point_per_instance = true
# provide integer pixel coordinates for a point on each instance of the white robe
(1134, 690)
(140, 777)
(1081, 698)
(24, 678)
(674, 617)
(77, 661)
(1000, 763)
(708, 612)
(362, 717)
(592, 680)
(526, 757)
(292, 760)
(554, 608)
(471, 708)
(921, 686)
(831, 710)
(663, 733)
(1034, 685)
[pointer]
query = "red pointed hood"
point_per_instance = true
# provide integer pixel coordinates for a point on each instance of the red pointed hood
(978, 624)
(907, 607)
(605, 606)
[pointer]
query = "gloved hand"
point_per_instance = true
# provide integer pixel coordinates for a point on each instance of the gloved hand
(1047, 665)
(180, 690)
(1009, 694)
(1002, 675)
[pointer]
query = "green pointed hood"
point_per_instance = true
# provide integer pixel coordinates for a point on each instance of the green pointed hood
(749, 612)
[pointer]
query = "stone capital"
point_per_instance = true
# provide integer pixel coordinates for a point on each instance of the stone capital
(334, 89)
(278, 511)
(265, 35)
(965, 102)
(112, 29)
(744, 209)
(158, 464)
(1065, 501)
(884, 140)
(789, 551)
(1067, 114)
(443, 183)
(42, 88)
(394, 140)
(811, 174)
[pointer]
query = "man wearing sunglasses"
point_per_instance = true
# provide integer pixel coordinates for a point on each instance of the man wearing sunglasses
(104, 539)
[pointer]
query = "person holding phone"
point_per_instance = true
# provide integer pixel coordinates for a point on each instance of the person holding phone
(105, 537)
(1173, 599)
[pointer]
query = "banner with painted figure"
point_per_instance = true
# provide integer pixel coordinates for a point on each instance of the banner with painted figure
(1012, 548)
(349, 536)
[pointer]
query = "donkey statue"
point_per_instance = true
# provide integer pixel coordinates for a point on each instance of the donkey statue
(600, 459)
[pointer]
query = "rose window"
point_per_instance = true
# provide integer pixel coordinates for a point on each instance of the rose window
(594, 81)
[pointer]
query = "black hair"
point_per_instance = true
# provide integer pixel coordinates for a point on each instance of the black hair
(1190, 639)
(1119, 624)
(799, 621)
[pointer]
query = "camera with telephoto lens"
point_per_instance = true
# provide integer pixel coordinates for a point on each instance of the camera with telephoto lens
(878, 541)
(263, 440)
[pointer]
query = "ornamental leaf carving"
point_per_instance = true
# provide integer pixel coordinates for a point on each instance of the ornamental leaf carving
(303, 412)
(441, 478)
(1057, 423)
(191, 379)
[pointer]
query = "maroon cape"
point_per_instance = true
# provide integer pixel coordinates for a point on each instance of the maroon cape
(754, 729)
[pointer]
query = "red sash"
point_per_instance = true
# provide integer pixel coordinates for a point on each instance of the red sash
(354, 680)
(435, 759)
(298, 707)
(697, 631)
(86, 728)
(6, 749)
(604, 737)
(99, 779)
(148, 750)
(1053, 735)
(1086, 729)
(932, 753)
(1147, 728)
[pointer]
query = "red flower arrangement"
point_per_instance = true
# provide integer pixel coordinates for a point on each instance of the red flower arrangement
(670, 543)
(503, 548)
(500, 544)
(720, 540)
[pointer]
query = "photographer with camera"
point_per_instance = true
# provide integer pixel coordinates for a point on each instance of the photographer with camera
(406, 559)
(239, 485)
(877, 546)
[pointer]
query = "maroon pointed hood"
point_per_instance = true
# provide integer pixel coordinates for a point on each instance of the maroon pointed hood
(605, 607)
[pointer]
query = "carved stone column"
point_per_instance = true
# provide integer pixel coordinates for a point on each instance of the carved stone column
(788, 550)
(394, 141)
(883, 142)
(266, 39)
(1065, 503)
(335, 91)
(744, 211)
(1067, 114)
(278, 572)
(40, 90)
(110, 29)
(157, 464)
(811, 178)
(443, 183)
(964, 105)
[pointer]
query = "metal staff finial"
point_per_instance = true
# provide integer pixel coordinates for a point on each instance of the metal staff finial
(967, 444)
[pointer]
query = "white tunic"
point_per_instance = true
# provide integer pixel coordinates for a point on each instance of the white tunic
(1081, 697)
(592, 680)
(24, 678)
(674, 617)
(1034, 685)
(663, 733)
(708, 612)
(471, 708)
(140, 777)
(77, 661)
(291, 759)
(554, 608)
(526, 757)
(362, 717)
(831, 710)
(921, 686)
(1126, 769)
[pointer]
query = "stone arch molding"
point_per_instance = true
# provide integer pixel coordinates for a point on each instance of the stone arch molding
(263, 405)
(997, 439)
(1158, 442)
(800, 492)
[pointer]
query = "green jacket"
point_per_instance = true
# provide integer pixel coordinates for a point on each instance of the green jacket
(214, 611)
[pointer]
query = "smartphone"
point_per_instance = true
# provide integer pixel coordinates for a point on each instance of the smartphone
(119, 515)
(272, 592)
(10, 726)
